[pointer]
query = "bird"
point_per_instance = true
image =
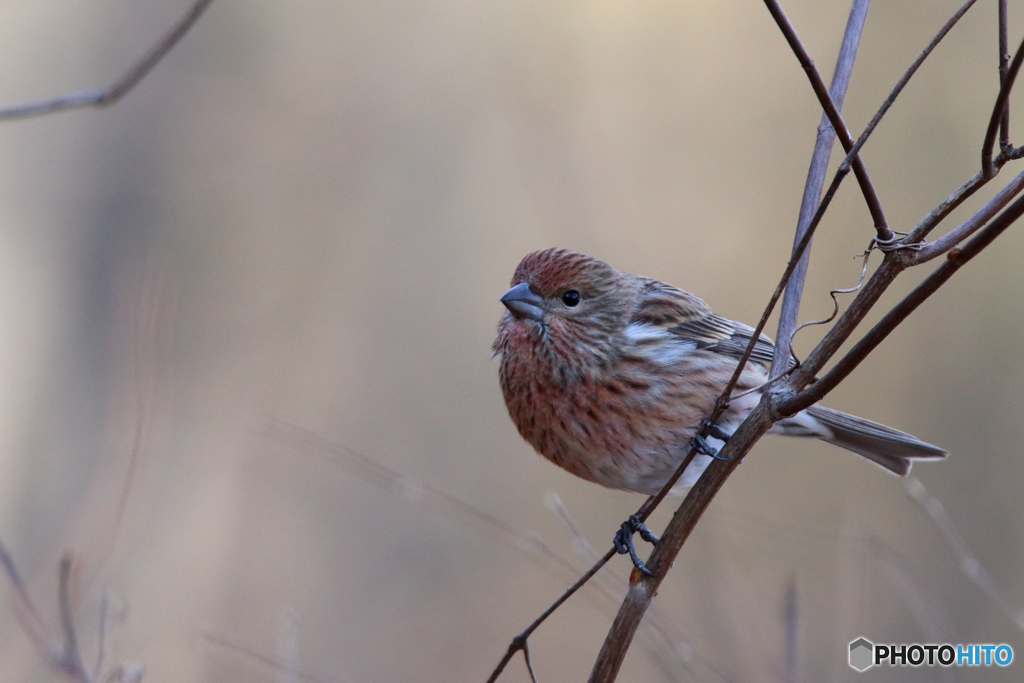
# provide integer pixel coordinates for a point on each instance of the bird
(611, 375)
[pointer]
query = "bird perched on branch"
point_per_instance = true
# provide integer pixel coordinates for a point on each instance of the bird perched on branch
(610, 376)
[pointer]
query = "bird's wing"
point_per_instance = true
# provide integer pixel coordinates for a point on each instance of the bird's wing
(664, 308)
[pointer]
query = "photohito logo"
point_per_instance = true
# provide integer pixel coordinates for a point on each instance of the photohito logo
(864, 654)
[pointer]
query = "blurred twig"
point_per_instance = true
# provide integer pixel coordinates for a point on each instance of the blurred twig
(791, 629)
(969, 563)
(63, 654)
(101, 97)
(277, 663)
(526, 542)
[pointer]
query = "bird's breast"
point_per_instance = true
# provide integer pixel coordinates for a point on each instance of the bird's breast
(613, 425)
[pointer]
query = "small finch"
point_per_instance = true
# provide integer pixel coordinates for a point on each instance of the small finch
(609, 376)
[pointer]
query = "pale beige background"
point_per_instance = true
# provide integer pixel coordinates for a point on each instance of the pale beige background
(309, 213)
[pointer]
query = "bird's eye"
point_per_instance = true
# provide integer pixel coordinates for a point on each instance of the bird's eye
(571, 298)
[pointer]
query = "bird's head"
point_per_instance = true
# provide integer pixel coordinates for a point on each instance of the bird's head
(572, 304)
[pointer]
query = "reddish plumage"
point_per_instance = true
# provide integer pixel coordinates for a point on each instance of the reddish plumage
(611, 384)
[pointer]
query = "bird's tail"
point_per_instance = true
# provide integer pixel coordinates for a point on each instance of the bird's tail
(892, 449)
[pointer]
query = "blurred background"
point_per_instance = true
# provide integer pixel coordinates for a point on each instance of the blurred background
(246, 316)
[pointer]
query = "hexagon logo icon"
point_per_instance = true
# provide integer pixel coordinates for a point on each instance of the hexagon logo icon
(862, 653)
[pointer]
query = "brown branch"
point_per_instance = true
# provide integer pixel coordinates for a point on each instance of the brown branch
(643, 588)
(956, 259)
(1004, 60)
(946, 207)
(969, 226)
(1001, 106)
(904, 79)
(874, 288)
(867, 188)
(810, 205)
(519, 642)
(101, 97)
(777, 403)
(772, 406)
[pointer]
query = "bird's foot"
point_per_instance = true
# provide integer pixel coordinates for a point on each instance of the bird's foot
(624, 541)
(715, 431)
(704, 448)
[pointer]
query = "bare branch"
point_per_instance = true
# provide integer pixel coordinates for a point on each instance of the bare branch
(904, 79)
(867, 188)
(101, 97)
(71, 660)
(812, 187)
(529, 664)
(643, 588)
(1001, 105)
(519, 642)
(785, 400)
(945, 207)
(955, 260)
(1004, 60)
(969, 226)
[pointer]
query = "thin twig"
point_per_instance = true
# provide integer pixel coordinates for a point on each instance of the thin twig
(809, 205)
(1004, 60)
(529, 664)
(833, 293)
(101, 97)
(946, 207)
(102, 637)
(643, 588)
(867, 188)
(969, 563)
(279, 664)
(963, 193)
(1002, 103)
(791, 629)
(956, 259)
(904, 79)
(519, 642)
(969, 226)
(71, 663)
(394, 482)
(29, 617)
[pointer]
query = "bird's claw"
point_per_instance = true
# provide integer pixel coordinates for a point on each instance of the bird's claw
(624, 541)
(715, 431)
(704, 448)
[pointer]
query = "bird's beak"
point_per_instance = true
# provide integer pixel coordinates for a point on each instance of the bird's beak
(523, 303)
